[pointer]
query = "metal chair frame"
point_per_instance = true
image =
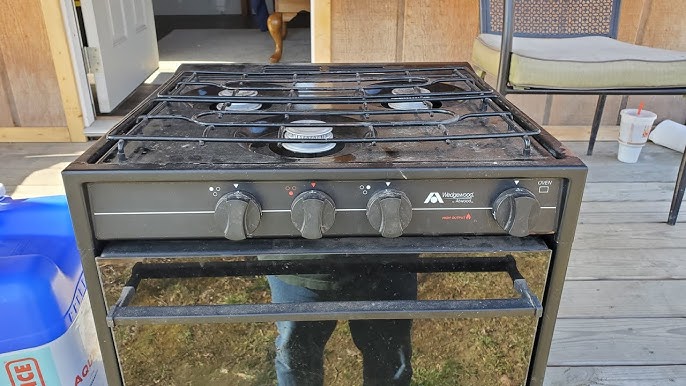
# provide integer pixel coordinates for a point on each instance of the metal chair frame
(502, 85)
(508, 33)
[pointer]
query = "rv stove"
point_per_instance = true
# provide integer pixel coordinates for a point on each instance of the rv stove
(366, 169)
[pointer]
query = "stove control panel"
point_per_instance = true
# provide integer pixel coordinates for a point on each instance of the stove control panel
(237, 210)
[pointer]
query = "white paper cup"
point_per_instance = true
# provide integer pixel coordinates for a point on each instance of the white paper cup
(629, 152)
(634, 128)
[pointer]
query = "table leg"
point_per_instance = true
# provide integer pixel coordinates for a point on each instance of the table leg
(276, 29)
(679, 188)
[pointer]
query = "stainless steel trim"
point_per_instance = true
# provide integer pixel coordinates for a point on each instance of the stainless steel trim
(146, 213)
(285, 211)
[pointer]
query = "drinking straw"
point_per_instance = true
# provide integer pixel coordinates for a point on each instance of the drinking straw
(640, 107)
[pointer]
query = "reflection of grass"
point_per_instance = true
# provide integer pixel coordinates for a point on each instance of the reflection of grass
(445, 351)
(441, 375)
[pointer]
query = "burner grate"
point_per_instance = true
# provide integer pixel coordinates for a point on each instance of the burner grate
(302, 93)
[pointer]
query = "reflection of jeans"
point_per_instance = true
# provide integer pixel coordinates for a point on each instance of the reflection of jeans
(260, 13)
(385, 344)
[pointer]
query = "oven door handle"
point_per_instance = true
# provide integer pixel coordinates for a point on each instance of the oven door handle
(527, 304)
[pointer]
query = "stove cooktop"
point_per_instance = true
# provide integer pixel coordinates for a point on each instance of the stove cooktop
(265, 115)
(337, 150)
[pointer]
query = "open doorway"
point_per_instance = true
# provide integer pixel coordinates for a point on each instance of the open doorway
(184, 31)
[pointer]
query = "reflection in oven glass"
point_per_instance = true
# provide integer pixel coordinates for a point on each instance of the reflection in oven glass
(491, 351)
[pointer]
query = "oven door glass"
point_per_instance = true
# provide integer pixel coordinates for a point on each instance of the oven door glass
(463, 319)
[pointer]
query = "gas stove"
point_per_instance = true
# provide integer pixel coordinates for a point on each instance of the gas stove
(384, 160)
(366, 149)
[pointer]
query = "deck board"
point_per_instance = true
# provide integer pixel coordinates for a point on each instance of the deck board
(628, 191)
(615, 375)
(619, 342)
(603, 212)
(629, 236)
(623, 299)
(617, 264)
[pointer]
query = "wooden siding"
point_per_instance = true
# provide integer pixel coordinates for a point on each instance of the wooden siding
(30, 81)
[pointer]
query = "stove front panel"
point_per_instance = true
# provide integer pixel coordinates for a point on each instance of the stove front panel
(154, 210)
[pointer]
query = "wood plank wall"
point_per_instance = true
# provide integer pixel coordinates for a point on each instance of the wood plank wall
(363, 31)
(439, 30)
(28, 81)
(444, 30)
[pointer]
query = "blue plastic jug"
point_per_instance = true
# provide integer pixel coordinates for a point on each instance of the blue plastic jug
(47, 335)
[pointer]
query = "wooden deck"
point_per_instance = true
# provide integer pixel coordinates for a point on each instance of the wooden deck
(623, 315)
(621, 320)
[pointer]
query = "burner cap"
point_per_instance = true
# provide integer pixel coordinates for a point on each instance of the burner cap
(420, 105)
(309, 132)
(238, 106)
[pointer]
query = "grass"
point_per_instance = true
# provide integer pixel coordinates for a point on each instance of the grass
(492, 351)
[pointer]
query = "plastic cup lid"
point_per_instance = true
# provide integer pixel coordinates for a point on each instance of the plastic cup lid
(645, 114)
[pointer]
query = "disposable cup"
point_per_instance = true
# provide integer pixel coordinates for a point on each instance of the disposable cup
(628, 152)
(634, 128)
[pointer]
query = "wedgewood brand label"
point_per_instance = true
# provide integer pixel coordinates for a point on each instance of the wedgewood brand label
(453, 197)
(72, 359)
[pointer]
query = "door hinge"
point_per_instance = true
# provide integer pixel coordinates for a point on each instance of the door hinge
(93, 61)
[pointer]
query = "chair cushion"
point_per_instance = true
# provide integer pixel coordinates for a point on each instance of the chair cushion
(583, 62)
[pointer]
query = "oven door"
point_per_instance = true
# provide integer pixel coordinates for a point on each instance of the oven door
(420, 311)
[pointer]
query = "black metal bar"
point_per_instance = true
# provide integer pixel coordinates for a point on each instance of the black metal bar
(561, 246)
(313, 311)
(456, 137)
(324, 99)
(305, 113)
(330, 70)
(506, 46)
(349, 265)
(268, 84)
(136, 276)
(597, 117)
(506, 116)
(526, 304)
(595, 91)
(678, 196)
(137, 249)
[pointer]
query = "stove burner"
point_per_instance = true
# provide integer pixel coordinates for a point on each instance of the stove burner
(238, 106)
(309, 132)
(390, 89)
(231, 89)
(283, 150)
(280, 149)
(419, 105)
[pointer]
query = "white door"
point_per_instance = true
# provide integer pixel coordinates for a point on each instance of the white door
(122, 48)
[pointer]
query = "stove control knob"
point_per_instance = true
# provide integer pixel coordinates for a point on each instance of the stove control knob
(389, 212)
(237, 214)
(313, 212)
(516, 211)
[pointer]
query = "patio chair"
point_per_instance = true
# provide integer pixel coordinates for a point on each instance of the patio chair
(570, 47)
